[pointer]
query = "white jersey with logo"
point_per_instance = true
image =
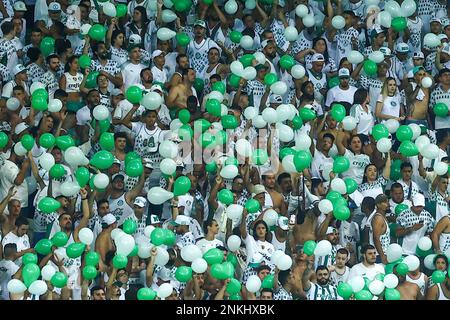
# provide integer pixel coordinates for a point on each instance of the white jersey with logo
(318, 292)
(198, 54)
(120, 208)
(73, 82)
(420, 282)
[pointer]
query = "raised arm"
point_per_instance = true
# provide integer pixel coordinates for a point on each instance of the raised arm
(127, 120)
(137, 189)
(85, 218)
(243, 227)
(151, 267)
(387, 167)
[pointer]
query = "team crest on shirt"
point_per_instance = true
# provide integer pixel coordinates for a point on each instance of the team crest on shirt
(198, 55)
(120, 203)
(393, 103)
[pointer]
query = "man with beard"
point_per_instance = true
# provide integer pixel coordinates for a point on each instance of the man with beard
(181, 226)
(397, 197)
(84, 129)
(179, 94)
(321, 155)
(50, 79)
(256, 88)
(19, 237)
(318, 77)
(214, 67)
(269, 182)
(322, 290)
(182, 64)
(379, 233)
(439, 291)
(107, 67)
(285, 182)
(368, 267)
(343, 92)
(408, 290)
(146, 78)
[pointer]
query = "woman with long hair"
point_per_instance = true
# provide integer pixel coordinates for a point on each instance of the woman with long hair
(139, 23)
(389, 104)
(355, 154)
(361, 112)
(320, 46)
(373, 183)
(115, 42)
(70, 82)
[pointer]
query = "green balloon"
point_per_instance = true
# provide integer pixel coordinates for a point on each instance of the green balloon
(89, 272)
(213, 256)
(287, 62)
(340, 164)
(146, 294)
(121, 10)
(185, 132)
(391, 294)
(91, 79)
(157, 236)
(39, 103)
(182, 186)
(129, 226)
(92, 258)
(286, 151)
(107, 141)
(404, 133)
(82, 175)
(202, 124)
(182, 5)
(59, 280)
(134, 94)
(341, 213)
(393, 229)
(399, 24)
(402, 269)
(219, 86)
(438, 276)
(225, 196)
(333, 82)
(134, 252)
(75, 250)
(333, 196)
(134, 168)
(260, 157)
(29, 258)
(268, 282)
(30, 273)
(218, 271)
(345, 290)
(43, 247)
(214, 107)
(297, 122)
(234, 286)
(183, 274)
(57, 171)
(221, 137)
(235, 36)
(131, 156)
(370, 67)
(65, 142)
(231, 160)
(408, 149)
(422, 254)
(363, 295)
(229, 122)
(102, 159)
(395, 169)
(47, 46)
(236, 297)
(379, 131)
(84, 61)
(247, 60)
(47, 140)
(338, 112)
(182, 39)
(302, 160)
(27, 142)
(252, 205)
(60, 239)
(307, 114)
(234, 80)
(351, 185)
(199, 84)
(228, 269)
(211, 167)
(3, 140)
(440, 109)
(41, 92)
(400, 208)
(48, 205)
(97, 32)
(309, 247)
(208, 2)
(120, 261)
(184, 115)
(231, 257)
(169, 237)
(207, 139)
(379, 276)
(270, 79)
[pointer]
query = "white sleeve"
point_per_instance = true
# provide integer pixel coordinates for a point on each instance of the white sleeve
(7, 90)
(118, 112)
(330, 98)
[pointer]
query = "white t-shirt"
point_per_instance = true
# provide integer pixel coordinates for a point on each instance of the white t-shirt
(205, 245)
(159, 75)
(365, 120)
(8, 173)
(358, 163)
(340, 95)
(266, 249)
(186, 201)
(131, 74)
(391, 105)
(7, 270)
(319, 162)
(361, 270)
(22, 243)
(84, 116)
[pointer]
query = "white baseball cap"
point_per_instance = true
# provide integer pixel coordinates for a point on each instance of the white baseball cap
(257, 189)
(317, 57)
(156, 87)
(135, 39)
(157, 53)
(109, 219)
(54, 6)
(418, 200)
(402, 48)
(117, 175)
(344, 72)
(148, 163)
(435, 20)
(140, 202)
(181, 220)
(446, 48)
(20, 6)
(386, 51)
(418, 55)
(18, 69)
(330, 230)
(20, 128)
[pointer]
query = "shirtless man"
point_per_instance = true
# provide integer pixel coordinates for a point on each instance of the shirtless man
(182, 65)
(417, 98)
(104, 242)
(8, 222)
(441, 235)
(408, 290)
(269, 182)
(178, 95)
(380, 236)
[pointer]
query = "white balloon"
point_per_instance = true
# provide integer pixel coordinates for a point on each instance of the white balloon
(285, 133)
(430, 151)
(323, 248)
(284, 263)
(250, 113)
(415, 129)
(249, 73)
(16, 286)
(125, 244)
(162, 257)
(165, 34)
(86, 236)
(250, 4)
(246, 42)
(355, 57)
(258, 122)
(100, 112)
(440, 168)
(233, 243)
(283, 112)
(390, 281)
(260, 57)
(158, 195)
(144, 250)
(394, 252)
(190, 253)
(302, 141)
(279, 87)
(234, 211)
(199, 265)
(384, 19)
(269, 115)
(84, 30)
(392, 125)
(101, 181)
(428, 262)
(54, 105)
(69, 188)
(229, 172)
(349, 123)
(372, 2)
(276, 256)
(288, 164)
(109, 9)
(431, 40)
(337, 184)
(325, 206)
(427, 82)
(168, 149)
(148, 231)
(421, 142)
(36, 85)
(298, 71)
(308, 20)
(73, 156)
(301, 10)
(291, 33)
(243, 148)
(236, 68)
(357, 283)
(408, 8)
(168, 16)
(270, 217)
(412, 262)
(384, 145)
(376, 56)
(151, 100)
(12, 104)
(338, 22)
(393, 8)
(38, 287)
(19, 149)
(253, 283)
(168, 166)
(116, 233)
(376, 287)
(47, 272)
(231, 7)
(168, 3)
(46, 161)
(425, 244)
